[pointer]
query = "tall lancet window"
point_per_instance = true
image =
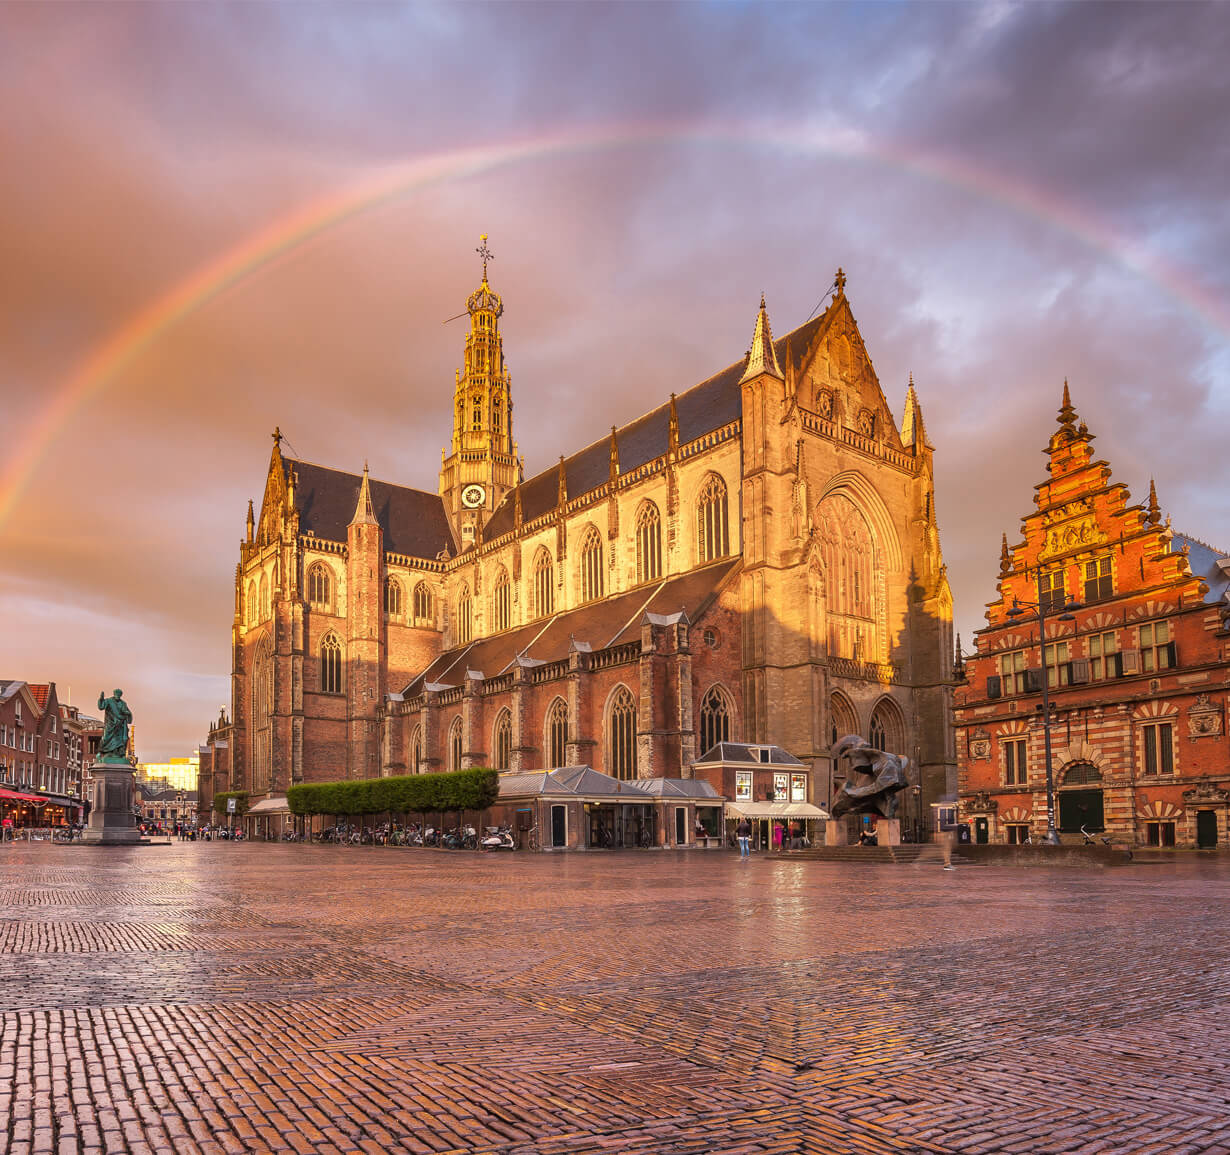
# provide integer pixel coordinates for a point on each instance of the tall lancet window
(713, 535)
(648, 543)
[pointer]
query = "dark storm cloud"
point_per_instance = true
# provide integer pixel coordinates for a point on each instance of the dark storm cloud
(148, 139)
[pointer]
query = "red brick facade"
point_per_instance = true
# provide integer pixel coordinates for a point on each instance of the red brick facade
(1137, 682)
(42, 748)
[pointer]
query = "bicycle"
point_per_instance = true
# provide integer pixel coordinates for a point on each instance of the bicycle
(531, 839)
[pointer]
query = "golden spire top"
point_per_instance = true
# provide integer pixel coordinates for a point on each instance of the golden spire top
(486, 255)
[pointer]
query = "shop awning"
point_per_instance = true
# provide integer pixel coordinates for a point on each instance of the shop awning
(270, 806)
(774, 810)
(23, 797)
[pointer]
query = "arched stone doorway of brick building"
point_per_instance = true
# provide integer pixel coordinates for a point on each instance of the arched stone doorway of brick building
(1080, 799)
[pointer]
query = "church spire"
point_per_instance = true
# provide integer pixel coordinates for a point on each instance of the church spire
(363, 512)
(913, 431)
(1067, 415)
(614, 455)
(251, 522)
(761, 357)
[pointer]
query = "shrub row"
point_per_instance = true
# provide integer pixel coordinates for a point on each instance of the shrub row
(415, 793)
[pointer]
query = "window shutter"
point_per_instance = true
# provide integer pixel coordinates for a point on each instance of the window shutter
(1129, 662)
(994, 688)
(1172, 655)
(1078, 671)
(1033, 680)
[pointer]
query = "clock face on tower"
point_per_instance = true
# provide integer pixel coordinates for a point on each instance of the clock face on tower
(473, 496)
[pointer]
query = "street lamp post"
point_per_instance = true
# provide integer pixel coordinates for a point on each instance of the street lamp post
(1051, 837)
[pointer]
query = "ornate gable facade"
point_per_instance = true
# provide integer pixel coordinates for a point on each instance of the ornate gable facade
(1135, 672)
(756, 559)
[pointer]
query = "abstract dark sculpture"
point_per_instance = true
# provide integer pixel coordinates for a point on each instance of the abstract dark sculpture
(873, 780)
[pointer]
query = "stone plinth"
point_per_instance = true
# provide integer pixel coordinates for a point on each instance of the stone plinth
(111, 819)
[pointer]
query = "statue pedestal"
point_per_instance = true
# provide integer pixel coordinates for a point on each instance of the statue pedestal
(888, 832)
(835, 832)
(111, 819)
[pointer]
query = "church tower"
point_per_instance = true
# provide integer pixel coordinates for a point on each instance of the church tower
(482, 465)
(366, 641)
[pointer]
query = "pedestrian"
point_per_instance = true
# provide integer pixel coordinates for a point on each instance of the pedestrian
(744, 833)
(702, 835)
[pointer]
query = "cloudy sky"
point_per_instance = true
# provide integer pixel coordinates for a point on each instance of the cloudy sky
(218, 218)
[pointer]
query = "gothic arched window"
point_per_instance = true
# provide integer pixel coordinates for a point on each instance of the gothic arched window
(454, 744)
(320, 586)
(715, 714)
(591, 566)
(331, 665)
(262, 713)
(464, 626)
(501, 741)
(544, 584)
(265, 608)
(556, 736)
(416, 750)
(712, 533)
(253, 614)
(424, 604)
(621, 735)
(842, 719)
(501, 601)
(849, 556)
(648, 543)
(392, 597)
(887, 730)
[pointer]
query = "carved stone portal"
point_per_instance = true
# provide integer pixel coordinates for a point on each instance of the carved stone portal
(873, 779)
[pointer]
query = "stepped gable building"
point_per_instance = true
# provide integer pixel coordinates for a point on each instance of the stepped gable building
(757, 559)
(1137, 682)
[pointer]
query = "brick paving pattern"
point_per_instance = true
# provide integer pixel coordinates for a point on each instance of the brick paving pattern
(221, 998)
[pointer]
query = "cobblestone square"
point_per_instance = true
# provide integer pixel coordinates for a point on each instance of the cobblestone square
(213, 997)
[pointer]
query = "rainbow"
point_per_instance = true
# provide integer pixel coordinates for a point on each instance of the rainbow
(391, 183)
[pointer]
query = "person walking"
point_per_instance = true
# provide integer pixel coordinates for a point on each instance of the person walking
(744, 833)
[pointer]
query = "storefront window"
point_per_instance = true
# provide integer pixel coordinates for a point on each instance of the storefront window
(798, 787)
(743, 785)
(781, 787)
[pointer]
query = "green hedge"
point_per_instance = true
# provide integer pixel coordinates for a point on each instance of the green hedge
(415, 793)
(241, 802)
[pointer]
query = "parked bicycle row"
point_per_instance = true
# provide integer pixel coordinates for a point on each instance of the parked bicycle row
(464, 837)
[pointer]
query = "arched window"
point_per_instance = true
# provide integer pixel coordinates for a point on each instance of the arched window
(621, 735)
(320, 585)
(714, 719)
(463, 628)
(392, 597)
(262, 714)
(265, 609)
(842, 719)
(591, 566)
(850, 567)
(424, 604)
(1082, 774)
(501, 741)
(544, 584)
(556, 736)
(454, 744)
(648, 543)
(501, 601)
(331, 665)
(887, 731)
(416, 750)
(713, 536)
(253, 614)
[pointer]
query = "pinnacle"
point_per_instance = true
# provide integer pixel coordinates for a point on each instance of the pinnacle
(761, 357)
(364, 514)
(1067, 415)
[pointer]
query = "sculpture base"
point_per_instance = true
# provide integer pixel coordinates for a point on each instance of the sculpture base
(112, 822)
(888, 832)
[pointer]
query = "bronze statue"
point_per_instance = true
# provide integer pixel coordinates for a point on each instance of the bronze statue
(873, 781)
(114, 744)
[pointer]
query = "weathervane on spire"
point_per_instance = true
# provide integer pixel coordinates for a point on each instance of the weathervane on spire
(485, 253)
(840, 282)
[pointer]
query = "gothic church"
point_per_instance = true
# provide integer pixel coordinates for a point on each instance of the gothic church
(755, 560)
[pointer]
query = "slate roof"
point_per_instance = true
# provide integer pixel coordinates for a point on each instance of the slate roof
(414, 522)
(1204, 560)
(585, 782)
(600, 624)
(702, 409)
(678, 788)
(745, 753)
